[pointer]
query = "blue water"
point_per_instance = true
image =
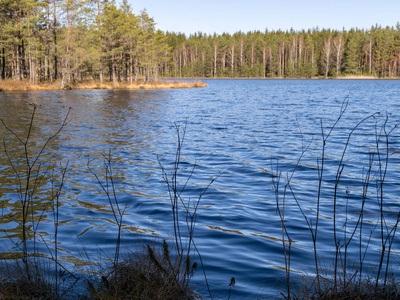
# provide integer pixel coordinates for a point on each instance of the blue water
(245, 132)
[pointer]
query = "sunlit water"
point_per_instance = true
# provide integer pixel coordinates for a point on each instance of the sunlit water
(244, 131)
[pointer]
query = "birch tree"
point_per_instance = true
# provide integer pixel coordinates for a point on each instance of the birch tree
(327, 55)
(338, 51)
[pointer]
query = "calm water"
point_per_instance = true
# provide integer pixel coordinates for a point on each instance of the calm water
(242, 130)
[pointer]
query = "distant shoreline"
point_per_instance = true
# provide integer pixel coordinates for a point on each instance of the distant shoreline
(350, 77)
(10, 85)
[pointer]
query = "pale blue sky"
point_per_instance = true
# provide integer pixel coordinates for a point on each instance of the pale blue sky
(209, 16)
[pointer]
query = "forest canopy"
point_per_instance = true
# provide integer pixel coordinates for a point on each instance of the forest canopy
(75, 40)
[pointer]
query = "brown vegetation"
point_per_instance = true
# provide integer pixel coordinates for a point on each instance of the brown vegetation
(151, 273)
(10, 85)
(358, 77)
(18, 284)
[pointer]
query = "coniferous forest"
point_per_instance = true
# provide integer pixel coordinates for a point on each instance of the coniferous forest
(74, 40)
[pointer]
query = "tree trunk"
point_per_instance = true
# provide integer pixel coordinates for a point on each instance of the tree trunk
(55, 42)
(19, 48)
(252, 55)
(136, 68)
(131, 66)
(326, 56)
(3, 71)
(66, 76)
(215, 59)
(113, 67)
(47, 50)
(232, 54)
(338, 48)
(223, 62)
(270, 59)
(241, 46)
(100, 58)
(264, 60)
(370, 55)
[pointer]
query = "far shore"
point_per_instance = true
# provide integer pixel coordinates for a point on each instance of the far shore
(10, 85)
(347, 77)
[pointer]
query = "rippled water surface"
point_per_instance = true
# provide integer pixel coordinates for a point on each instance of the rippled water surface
(244, 131)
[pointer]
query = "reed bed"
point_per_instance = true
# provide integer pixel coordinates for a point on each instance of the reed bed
(10, 85)
(139, 85)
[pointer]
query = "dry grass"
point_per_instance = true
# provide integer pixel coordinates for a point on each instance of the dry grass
(365, 290)
(146, 274)
(18, 282)
(10, 85)
(357, 77)
(24, 288)
(139, 85)
(150, 273)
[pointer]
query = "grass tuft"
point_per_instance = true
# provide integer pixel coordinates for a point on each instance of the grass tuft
(146, 274)
(353, 290)
(18, 283)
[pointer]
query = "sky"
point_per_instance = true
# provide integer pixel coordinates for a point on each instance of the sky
(230, 16)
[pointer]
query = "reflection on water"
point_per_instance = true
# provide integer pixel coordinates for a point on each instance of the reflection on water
(243, 129)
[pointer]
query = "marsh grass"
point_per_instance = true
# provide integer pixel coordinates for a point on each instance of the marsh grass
(39, 281)
(17, 284)
(10, 85)
(139, 85)
(305, 289)
(347, 277)
(148, 273)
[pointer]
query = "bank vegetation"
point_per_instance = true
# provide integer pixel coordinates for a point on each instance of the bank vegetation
(11, 85)
(72, 41)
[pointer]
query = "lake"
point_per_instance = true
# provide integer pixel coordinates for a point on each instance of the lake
(243, 134)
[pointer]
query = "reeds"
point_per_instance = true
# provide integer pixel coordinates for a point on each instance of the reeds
(17, 284)
(154, 272)
(139, 85)
(25, 278)
(29, 173)
(346, 277)
(10, 85)
(150, 273)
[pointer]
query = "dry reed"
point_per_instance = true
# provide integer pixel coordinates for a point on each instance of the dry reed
(10, 85)
(347, 277)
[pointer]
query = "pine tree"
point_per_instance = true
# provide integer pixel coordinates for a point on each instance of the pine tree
(351, 54)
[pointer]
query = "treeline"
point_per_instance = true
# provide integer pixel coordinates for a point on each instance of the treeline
(74, 40)
(77, 39)
(292, 54)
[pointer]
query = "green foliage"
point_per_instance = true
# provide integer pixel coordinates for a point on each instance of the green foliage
(351, 54)
(82, 39)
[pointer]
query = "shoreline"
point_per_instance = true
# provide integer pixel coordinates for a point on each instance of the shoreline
(350, 77)
(11, 85)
